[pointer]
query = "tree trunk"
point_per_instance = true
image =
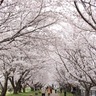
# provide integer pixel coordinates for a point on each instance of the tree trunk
(64, 93)
(3, 93)
(87, 92)
(31, 88)
(16, 86)
(15, 90)
(19, 86)
(24, 90)
(11, 79)
(20, 90)
(4, 90)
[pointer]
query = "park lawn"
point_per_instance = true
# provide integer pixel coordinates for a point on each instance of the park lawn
(23, 94)
(68, 94)
(20, 94)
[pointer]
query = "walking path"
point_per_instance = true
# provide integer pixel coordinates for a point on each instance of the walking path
(53, 94)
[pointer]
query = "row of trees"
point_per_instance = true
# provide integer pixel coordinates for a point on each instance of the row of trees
(76, 63)
(23, 28)
(25, 35)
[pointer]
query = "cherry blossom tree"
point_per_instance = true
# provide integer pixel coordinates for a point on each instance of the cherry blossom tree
(19, 21)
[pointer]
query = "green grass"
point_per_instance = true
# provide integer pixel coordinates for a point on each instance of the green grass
(20, 94)
(24, 94)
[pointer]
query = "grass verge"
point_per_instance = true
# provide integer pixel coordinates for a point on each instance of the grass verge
(31, 93)
(68, 94)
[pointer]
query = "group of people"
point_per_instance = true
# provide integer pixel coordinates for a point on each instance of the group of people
(47, 90)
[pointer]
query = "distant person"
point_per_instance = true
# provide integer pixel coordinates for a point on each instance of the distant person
(55, 89)
(49, 91)
(60, 90)
(43, 91)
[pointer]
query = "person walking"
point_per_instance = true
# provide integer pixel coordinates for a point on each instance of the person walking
(43, 91)
(48, 91)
